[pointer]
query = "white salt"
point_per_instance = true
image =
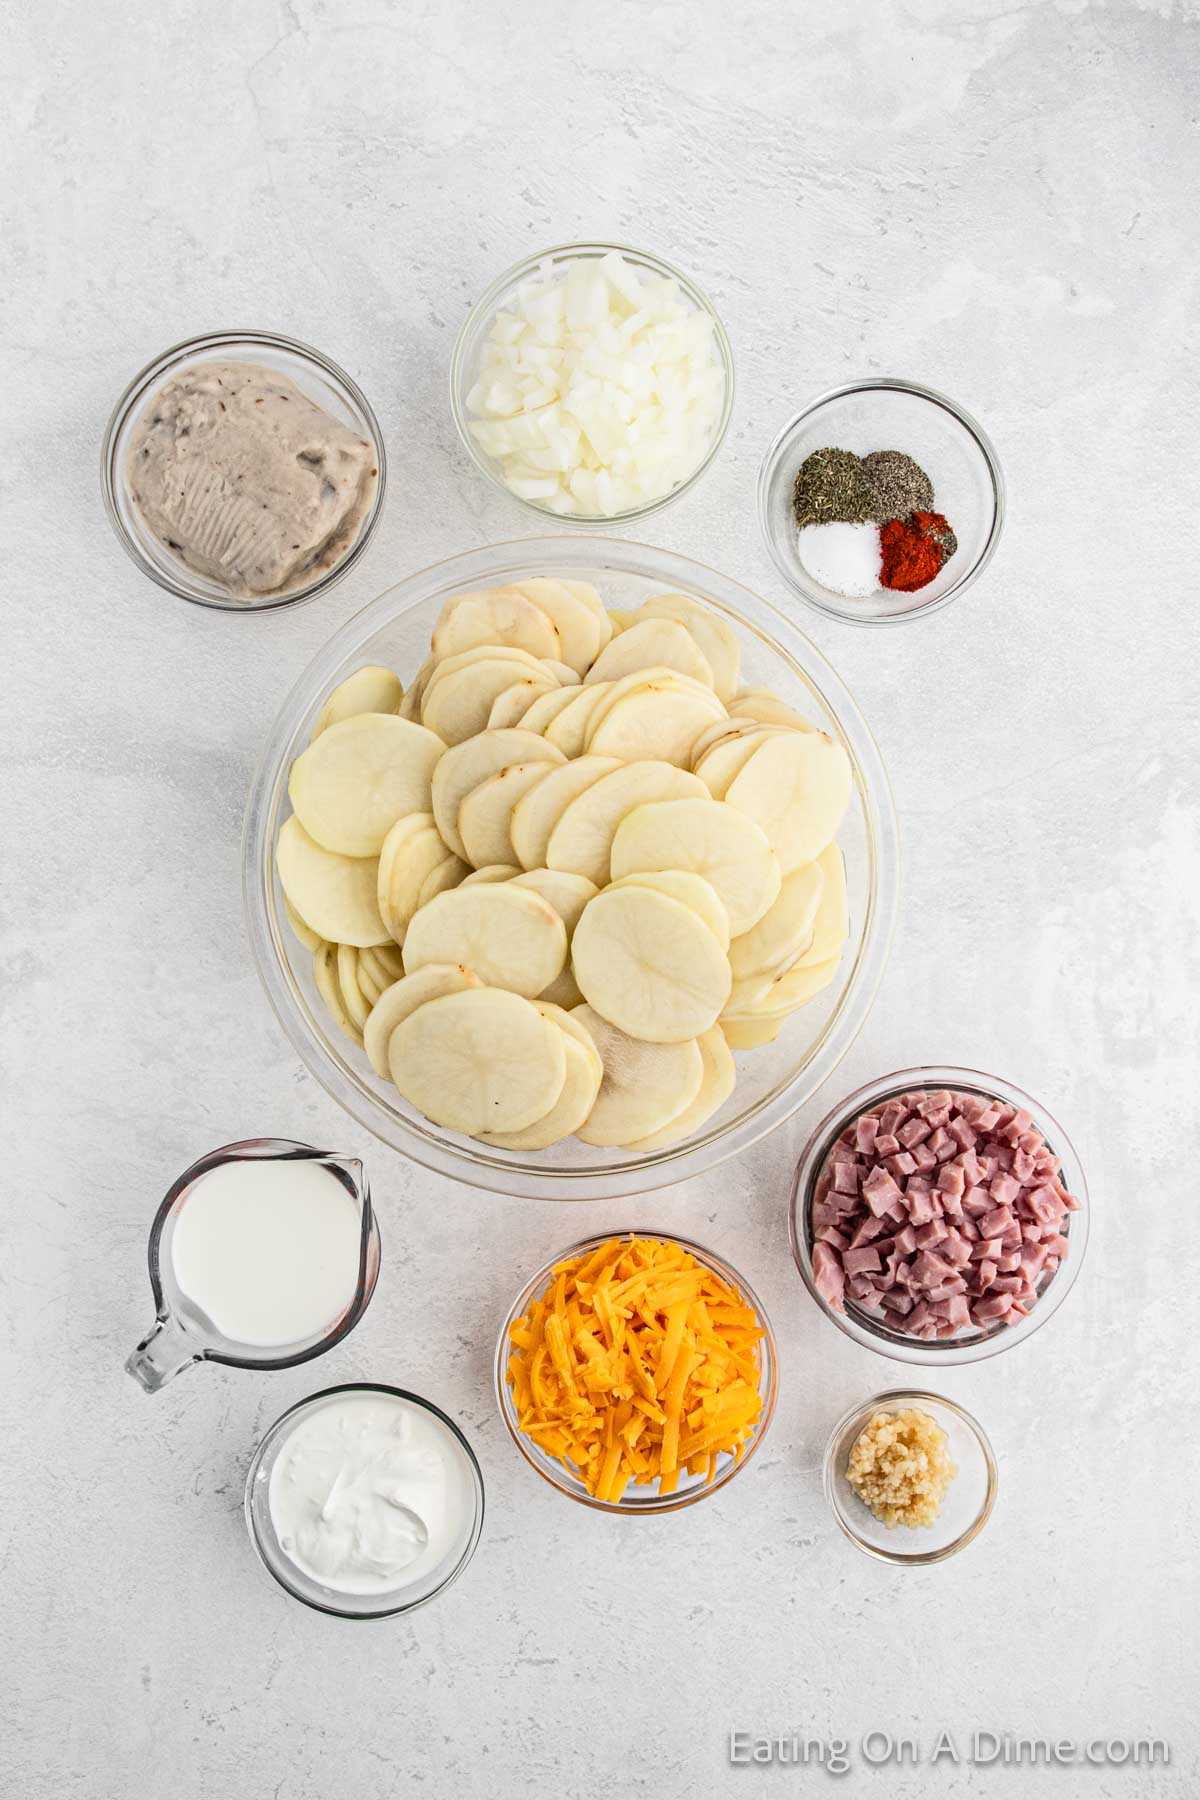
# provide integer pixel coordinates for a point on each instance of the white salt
(844, 558)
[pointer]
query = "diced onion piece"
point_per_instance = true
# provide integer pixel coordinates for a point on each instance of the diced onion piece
(599, 388)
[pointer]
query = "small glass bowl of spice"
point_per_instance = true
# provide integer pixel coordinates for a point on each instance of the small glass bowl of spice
(911, 1477)
(881, 501)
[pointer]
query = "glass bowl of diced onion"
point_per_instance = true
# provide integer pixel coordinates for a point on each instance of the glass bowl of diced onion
(534, 438)
(694, 1482)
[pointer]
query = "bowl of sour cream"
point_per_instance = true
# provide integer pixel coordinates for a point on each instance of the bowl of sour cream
(364, 1501)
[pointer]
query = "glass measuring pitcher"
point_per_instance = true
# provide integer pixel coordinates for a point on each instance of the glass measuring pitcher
(183, 1333)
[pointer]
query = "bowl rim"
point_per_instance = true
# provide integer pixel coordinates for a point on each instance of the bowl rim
(916, 1559)
(887, 384)
(196, 349)
(652, 1503)
(873, 1335)
(277, 1430)
(488, 303)
(480, 1166)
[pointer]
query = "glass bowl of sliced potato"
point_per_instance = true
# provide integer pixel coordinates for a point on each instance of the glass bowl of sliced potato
(570, 868)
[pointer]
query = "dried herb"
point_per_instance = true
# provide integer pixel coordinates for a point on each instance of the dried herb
(832, 487)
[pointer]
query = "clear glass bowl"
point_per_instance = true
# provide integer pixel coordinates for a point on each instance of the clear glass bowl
(969, 1498)
(465, 363)
(302, 1586)
(692, 1488)
(323, 381)
(772, 1082)
(976, 1344)
(883, 414)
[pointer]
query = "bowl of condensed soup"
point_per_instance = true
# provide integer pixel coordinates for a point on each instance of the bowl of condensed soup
(364, 1501)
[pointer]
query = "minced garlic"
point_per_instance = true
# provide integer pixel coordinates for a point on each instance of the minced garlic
(900, 1467)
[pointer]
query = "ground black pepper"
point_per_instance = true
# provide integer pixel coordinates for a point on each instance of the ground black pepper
(900, 485)
(832, 486)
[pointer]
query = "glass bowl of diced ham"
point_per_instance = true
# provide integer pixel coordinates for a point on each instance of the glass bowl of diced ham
(939, 1215)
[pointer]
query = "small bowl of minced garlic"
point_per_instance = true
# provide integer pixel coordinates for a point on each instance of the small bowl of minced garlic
(911, 1477)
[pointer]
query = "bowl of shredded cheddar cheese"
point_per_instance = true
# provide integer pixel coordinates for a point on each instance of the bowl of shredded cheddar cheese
(636, 1372)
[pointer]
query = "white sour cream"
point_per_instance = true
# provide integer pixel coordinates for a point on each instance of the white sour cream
(370, 1494)
(268, 1251)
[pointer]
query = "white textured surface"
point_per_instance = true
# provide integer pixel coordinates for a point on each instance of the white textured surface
(998, 200)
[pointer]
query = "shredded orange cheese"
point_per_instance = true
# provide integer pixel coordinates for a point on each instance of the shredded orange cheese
(635, 1364)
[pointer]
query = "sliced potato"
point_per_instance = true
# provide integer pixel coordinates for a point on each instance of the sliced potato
(403, 997)
(645, 1085)
(568, 729)
(651, 644)
(334, 895)
(714, 636)
(405, 865)
(583, 590)
(373, 689)
(831, 924)
(523, 663)
(649, 965)
(383, 963)
(325, 974)
(795, 988)
(511, 937)
(657, 722)
(312, 940)
(717, 1081)
(491, 873)
(712, 840)
(500, 615)
(460, 705)
(410, 706)
(467, 764)
(350, 786)
(768, 709)
(548, 706)
(666, 680)
(448, 874)
(353, 998)
(368, 987)
(722, 731)
(579, 629)
(784, 932)
(797, 787)
(537, 813)
(480, 1060)
(620, 618)
(582, 838)
(751, 1034)
(485, 816)
(728, 757)
(690, 890)
(573, 1024)
(510, 706)
(576, 1099)
(568, 894)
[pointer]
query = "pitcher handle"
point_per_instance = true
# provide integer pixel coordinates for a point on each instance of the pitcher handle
(162, 1353)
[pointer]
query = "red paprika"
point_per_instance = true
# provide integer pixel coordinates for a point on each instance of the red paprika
(913, 550)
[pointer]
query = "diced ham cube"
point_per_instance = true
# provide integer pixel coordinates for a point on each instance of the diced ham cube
(861, 1261)
(914, 1133)
(920, 1206)
(837, 1240)
(886, 1144)
(845, 1178)
(962, 1132)
(869, 1229)
(900, 1165)
(1004, 1189)
(997, 1222)
(880, 1191)
(828, 1277)
(866, 1130)
(951, 1179)
(931, 1234)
